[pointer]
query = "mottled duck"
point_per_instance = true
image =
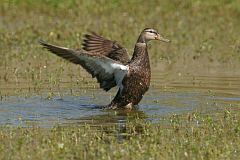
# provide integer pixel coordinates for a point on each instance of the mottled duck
(109, 62)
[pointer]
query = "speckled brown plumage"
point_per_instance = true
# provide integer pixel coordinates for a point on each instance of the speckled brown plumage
(109, 62)
(137, 81)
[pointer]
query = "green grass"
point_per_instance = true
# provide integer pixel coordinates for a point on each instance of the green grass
(191, 136)
(204, 34)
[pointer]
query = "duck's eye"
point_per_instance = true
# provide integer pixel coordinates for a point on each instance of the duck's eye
(152, 32)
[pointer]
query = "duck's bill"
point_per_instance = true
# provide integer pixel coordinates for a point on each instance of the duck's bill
(160, 38)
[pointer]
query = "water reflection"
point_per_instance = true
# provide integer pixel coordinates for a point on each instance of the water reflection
(186, 94)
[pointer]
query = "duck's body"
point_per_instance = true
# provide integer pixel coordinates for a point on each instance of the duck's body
(137, 81)
(110, 64)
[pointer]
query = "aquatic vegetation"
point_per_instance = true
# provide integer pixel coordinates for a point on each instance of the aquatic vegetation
(187, 136)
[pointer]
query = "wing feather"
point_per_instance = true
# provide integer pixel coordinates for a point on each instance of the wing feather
(96, 44)
(108, 72)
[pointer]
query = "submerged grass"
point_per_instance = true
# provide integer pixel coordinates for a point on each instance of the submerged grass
(191, 136)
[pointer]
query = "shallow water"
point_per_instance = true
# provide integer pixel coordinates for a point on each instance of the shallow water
(181, 94)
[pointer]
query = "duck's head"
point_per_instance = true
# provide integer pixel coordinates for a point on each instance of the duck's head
(149, 34)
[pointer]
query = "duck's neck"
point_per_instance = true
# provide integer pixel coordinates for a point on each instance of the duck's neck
(140, 53)
(141, 39)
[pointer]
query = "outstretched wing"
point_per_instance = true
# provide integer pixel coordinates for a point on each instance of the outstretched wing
(96, 44)
(108, 72)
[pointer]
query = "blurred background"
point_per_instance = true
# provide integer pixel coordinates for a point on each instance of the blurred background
(203, 33)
